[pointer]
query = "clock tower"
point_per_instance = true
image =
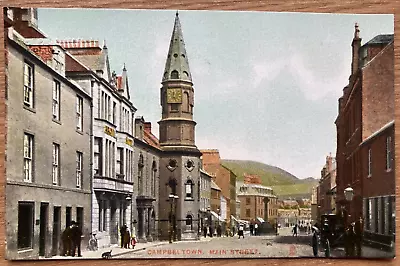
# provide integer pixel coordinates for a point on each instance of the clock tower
(180, 160)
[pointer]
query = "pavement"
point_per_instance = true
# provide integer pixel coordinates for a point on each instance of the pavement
(117, 251)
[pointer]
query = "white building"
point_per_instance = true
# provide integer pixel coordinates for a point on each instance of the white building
(113, 120)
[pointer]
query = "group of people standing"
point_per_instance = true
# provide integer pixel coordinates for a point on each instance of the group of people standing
(126, 238)
(253, 229)
(71, 239)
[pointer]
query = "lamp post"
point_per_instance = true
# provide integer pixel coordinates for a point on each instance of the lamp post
(348, 194)
(175, 203)
(170, 231)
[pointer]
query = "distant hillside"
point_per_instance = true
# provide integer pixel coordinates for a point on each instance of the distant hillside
(283, 182)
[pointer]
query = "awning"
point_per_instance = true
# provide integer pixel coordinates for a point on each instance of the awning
(234, 219)
(261, 220)
(217, 216)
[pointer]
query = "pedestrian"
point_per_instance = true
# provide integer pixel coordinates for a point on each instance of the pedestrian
(251, 228)
(255, 229)
(127, 237)
(133, 239)
(76, 237)
(205, 231)
(122, 231)
(294, 230)
(241, 233)
(358, 232)
(314, 241)
(66, 241)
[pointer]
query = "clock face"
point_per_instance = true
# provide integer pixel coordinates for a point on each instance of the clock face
(174, 95)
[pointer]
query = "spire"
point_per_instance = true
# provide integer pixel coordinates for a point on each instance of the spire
(177, 64)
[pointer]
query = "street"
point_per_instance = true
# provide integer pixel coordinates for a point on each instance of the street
(283, 245)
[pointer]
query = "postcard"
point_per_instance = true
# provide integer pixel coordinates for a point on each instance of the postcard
(198, 134)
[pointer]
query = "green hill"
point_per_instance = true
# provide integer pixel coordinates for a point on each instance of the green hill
(283, 182)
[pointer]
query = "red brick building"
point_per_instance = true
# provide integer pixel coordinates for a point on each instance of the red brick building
(365, 139)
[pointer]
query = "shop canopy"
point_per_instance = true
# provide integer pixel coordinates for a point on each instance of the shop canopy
(261, 220)
(216, 216)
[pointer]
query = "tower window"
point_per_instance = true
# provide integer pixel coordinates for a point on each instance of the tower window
(175, 74)
(183, 55)
(186, 74)
(174, 107)
(189, 189)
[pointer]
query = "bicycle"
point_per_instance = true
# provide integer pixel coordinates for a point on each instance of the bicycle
(93, 245)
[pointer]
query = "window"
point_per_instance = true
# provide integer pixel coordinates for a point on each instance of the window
(369, 162)
(56, 162)
(114, 121)
(247, 212)
(172, 186)
(25, 225)
(174, 75)
(120, 162)
(388, 153)
(189, 189)
(153, 179)
(28, 85)
(369, 225)
(78, 169)
(28, 157)
(175, 107)
(56, 100)
(140, 174)
(247, 201)
(97, 160)
(79, 113)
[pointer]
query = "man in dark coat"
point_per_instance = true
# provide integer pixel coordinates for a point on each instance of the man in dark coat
(358, 235)
(67, 242)
(76, 237)
(122, 232)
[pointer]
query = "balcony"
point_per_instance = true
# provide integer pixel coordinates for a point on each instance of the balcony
(102, 183)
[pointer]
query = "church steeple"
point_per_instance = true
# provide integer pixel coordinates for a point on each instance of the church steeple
(177, 64)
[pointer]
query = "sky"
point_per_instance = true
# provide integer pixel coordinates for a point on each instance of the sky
(266, 84)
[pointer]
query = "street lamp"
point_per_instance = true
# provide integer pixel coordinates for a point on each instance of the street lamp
(175, 203)
(170, 231)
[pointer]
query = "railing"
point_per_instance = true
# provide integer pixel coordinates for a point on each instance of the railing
(100, 182)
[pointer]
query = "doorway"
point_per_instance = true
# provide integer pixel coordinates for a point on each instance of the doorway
(79, 217)
(56, 230)
(44, 209)
(113, 224)
(68, 211)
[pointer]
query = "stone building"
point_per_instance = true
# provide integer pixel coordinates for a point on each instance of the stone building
(88, 65)
(327, 185)
(146, 169)
(180, 162)
(205, 196)
(48, 143)
(365, 139)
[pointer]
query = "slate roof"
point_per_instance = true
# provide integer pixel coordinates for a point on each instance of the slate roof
(381, 39)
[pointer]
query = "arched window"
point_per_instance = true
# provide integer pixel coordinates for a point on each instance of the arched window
(185, 102)
(174, 74)
(140, 174)
(153, 178)
(172, 186)
(189, 189)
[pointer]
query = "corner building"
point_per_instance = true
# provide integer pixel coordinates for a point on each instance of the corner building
(180, 160)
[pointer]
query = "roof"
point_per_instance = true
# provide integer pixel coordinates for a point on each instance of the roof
(150, 139)
(177, 60)
(378, 132)
(94, 62)
(215, 186)
(205, 173)
(381, 39)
